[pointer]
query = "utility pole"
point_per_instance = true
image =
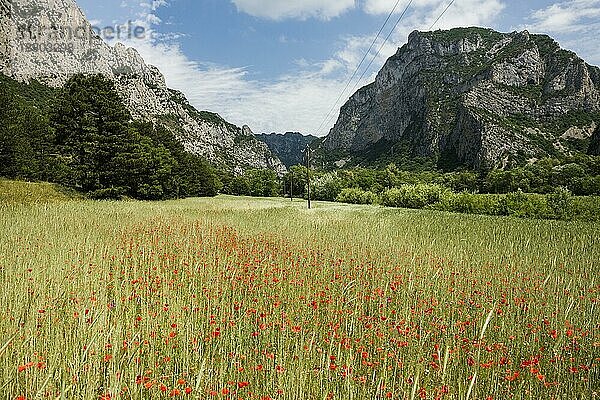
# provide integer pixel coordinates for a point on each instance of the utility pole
(292, 186)
(308, 173)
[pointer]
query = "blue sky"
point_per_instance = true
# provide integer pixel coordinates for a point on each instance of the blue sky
(280, 65)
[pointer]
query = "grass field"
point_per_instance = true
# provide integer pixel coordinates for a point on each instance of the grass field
(241, 298)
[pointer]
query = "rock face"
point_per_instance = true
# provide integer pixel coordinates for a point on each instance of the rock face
(471, 97)
(288, 147)
(50, 40)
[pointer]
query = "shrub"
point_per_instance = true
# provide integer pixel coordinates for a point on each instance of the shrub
(357, 196)
(560, 203)
(413, 196)
(469, 203)
(519, 204)
(326, 187)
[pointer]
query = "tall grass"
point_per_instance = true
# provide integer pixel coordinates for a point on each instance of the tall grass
(256, 299)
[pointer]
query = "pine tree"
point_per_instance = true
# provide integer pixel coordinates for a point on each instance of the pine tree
(92, 129)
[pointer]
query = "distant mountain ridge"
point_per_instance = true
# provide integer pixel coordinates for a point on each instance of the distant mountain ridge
(470, 97)
(26, 55)
(288, 147)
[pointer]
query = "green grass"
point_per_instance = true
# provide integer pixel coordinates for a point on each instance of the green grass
(260, 298)
(28, 192)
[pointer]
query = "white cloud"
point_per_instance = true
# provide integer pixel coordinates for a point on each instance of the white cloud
(566, 17)
(301, 9)
(575, 24)
(300, 99)
(291, 102)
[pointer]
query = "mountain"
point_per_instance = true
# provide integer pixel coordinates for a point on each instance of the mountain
(51, 40)
(288, 147)
(470, 97)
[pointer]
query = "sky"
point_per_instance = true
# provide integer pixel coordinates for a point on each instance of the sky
(287, 65)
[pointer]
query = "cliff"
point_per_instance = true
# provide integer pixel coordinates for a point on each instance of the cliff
(471, 97)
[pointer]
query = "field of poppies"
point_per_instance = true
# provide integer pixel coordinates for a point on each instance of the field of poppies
(240, 298)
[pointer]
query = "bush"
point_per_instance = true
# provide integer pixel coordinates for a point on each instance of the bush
(469, 203)
(560, 204)
(326, 187)
(519, 204)
(413, 196)
(586, 208)
(357, 196)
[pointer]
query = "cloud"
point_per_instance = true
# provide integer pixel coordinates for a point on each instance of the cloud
(300, 99)
(566, 17)
(298, 9)
(575, 24)
(290, 102)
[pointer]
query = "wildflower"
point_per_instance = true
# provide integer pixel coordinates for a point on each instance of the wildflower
(512, 377)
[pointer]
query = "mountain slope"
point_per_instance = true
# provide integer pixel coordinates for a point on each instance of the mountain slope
(288, 147)
(50, 40)
(471, 97)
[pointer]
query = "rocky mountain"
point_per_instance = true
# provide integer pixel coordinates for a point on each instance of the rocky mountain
(470, 97)
(288, 147)
(51, 40)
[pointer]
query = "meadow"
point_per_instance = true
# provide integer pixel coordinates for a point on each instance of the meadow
(246, 298)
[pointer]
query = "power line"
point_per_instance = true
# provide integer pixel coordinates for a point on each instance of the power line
(441, 15)
(359, 65)
(384, 43)
(382, 46)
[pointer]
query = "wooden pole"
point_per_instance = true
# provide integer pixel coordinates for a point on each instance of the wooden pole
(308, 174)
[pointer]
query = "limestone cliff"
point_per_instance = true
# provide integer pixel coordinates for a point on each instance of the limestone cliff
(471, 97)
(50, 40)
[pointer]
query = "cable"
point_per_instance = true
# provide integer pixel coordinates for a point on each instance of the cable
(383, 44)
(380, 48)
(441, 15)
(358, 67)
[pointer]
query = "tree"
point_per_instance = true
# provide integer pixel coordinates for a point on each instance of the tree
(92, 132)
(24, 138)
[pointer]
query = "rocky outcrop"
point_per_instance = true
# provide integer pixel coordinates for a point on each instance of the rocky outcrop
(288, 147)
(471, 97)
(50, 40)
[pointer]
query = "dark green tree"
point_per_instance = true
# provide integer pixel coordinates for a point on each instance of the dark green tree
(92, 132)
